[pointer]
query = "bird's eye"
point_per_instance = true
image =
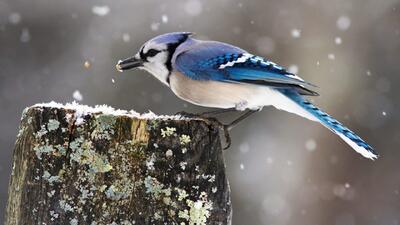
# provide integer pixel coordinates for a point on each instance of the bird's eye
(152, 52)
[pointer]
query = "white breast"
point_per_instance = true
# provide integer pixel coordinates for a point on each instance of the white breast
(218, 94)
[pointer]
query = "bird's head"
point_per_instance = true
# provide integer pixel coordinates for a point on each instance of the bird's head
(155, 55)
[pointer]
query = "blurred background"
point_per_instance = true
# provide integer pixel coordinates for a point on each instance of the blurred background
(282, 168)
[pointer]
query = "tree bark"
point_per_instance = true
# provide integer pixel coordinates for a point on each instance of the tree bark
(79, 165)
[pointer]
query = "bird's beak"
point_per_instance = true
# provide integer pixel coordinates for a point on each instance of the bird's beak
(128, 63)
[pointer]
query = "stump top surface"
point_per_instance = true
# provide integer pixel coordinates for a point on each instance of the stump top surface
(82, 110)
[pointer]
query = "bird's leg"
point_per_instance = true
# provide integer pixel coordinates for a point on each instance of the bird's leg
(228, 127)
(239, 119)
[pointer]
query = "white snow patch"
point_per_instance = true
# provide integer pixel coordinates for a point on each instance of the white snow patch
(343, 23)
(83, 110)
(100, 10)
(77, 95)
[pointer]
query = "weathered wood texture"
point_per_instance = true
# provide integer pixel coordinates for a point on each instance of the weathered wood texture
(102, 168)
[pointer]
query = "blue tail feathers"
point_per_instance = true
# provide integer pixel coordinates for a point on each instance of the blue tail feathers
(335, 126)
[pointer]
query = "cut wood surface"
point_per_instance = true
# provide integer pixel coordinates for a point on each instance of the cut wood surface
(75, 164)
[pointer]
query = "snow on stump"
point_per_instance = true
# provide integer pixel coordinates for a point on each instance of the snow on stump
(75, 164)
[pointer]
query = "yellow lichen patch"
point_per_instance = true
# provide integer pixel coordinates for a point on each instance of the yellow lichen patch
(139, 131)
(168, 131)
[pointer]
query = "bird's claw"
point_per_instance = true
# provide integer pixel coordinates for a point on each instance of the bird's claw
(225, 128)
(228, 139)
(212, 120)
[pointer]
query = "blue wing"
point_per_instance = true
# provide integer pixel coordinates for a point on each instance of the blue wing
(226, 63)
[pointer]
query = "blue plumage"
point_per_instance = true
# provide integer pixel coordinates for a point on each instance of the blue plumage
(216, 74)
(230, 64)
(332, 124)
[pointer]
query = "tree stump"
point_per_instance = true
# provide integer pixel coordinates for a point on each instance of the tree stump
(75, 164)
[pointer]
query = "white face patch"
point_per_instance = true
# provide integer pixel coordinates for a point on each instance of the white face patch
(156, 66)
(152, 45)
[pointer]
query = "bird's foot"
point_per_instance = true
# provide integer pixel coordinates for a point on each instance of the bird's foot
(222, 127)
(212, 120)
(228, 140)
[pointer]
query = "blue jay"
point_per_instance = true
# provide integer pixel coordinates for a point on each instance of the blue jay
(219, 75)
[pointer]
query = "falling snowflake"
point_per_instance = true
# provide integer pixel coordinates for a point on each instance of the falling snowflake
(77, 95)
(87, 64)
(311, 145)
(126, 37)
(244, 147)
(193, 7)
(265, 45)
(14, 18)
(241, 166)
(100, 10)
(155, 26)
(338, 40)
(293, 69)
(296, 33)
(343, 23)
(164, 18)
(331, 56)
(25, 36)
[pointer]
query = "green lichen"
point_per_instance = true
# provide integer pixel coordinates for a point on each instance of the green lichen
(121, 189)
(41, 149)
(153, 186)
(52, 125)
(51, 179)
(168, 131)
(84, 154)
(51, 193)
(184, 139)
(73, 221)
(199, 211)
(182, 194)
(65, 206)
(53, 215)
(153, 124)
(41, 132)
(103, 127)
